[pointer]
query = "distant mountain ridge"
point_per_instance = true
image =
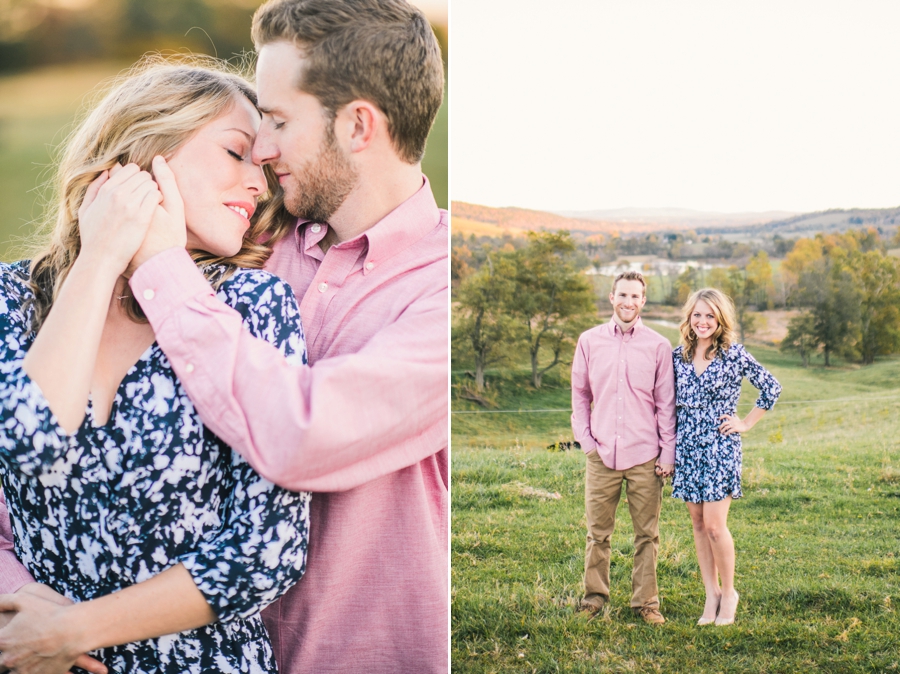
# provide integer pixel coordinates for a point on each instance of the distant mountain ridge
(472, 218)
(681, 217)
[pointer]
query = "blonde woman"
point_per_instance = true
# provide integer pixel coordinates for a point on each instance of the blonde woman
(709, 368)
(119, 499)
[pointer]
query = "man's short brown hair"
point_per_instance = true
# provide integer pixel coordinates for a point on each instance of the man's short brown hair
(381, 51)
(630, 276)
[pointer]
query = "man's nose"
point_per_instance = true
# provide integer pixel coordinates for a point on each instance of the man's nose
(265, 150)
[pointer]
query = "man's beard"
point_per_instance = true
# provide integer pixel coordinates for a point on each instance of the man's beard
(634, 316)
(323, 183)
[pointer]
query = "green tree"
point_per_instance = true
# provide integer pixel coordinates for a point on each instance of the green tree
(718, 278)
(759, 273)
(687, 282)
(801, 337)
(742, 290)
(483, 329)
(879, 307)
(828, 287)
(551, 299)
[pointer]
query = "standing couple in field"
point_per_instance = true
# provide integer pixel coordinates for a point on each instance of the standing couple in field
(643, 412)
(176, 450)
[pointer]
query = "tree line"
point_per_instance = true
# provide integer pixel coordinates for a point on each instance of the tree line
(529, 294)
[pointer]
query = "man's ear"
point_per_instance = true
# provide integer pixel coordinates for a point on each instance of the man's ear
(360, 121)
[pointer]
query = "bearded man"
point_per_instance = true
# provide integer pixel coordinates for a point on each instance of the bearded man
(623, 415)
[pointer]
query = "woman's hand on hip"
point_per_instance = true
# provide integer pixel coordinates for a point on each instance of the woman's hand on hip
(732, 424)
(115, 214)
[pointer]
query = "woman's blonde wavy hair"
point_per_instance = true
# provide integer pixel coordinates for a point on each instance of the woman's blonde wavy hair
(724, 336)
(152, 110)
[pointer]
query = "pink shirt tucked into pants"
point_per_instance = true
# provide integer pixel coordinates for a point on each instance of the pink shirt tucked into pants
(365, 428)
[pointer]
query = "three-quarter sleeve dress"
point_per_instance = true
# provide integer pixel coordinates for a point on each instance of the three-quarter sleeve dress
(707, 463)
(114, 504)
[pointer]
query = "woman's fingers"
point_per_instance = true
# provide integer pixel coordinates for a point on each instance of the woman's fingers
(91, 192)
(89, 664)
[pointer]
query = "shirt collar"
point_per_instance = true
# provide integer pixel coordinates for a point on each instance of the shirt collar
(634, 329)
(395, 232)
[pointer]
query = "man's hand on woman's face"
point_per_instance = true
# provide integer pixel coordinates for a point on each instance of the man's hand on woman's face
(167, 228)
(32, 638)
(115, 215)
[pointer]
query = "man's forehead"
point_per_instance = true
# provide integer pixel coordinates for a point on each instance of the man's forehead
(629, 287)
(278, 69)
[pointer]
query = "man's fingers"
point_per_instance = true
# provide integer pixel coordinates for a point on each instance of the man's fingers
(89, 664)
(166, 180)
(10, 602)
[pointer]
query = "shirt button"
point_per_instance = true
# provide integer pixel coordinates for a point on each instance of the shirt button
(370, 266)
(190, 368)
(316, 228)
(323, 286)
(149, 294)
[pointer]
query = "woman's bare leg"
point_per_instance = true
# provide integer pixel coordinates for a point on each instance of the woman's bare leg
(707, 562)
(715, 524)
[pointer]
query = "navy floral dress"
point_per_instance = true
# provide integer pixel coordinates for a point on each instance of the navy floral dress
(707, 463)
(114, 504)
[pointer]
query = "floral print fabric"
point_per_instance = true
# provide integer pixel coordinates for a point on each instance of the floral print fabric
(707, 463)
(114, 504)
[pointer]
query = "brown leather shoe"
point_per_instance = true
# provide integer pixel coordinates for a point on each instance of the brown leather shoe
(650, 615)
(593, 605)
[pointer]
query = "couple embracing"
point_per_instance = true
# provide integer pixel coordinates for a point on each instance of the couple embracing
(643, 412)
(176, 451)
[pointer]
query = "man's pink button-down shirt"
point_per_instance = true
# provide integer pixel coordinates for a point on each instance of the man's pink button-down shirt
(623, 395)
(365, 428)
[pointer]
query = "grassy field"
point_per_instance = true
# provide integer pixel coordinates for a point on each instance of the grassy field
(37, 109)
(818, 564)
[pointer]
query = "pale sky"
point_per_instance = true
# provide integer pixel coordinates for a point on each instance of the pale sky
(711, 105)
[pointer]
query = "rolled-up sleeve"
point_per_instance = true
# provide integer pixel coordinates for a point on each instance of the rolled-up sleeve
(769, 387)
(259, 553)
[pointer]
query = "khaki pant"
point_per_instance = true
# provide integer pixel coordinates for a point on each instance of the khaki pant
(643, 490)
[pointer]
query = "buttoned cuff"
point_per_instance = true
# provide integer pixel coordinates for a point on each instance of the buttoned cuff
(667, 456)
(167, 281)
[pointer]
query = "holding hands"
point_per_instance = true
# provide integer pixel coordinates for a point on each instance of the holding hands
(128, 215)
(114, 216)
(167, 228)
(665, 469)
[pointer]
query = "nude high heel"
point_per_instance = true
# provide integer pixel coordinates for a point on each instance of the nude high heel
(708, 621)
(721, 622)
